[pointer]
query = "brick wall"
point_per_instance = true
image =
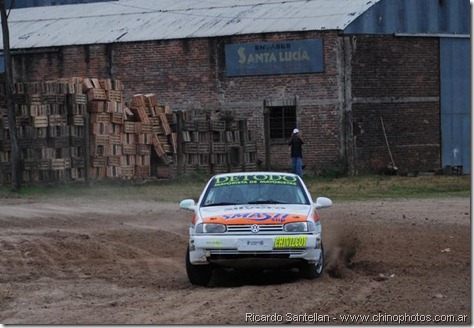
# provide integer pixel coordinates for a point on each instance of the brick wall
(93, 60)
(190, 74)
(396, 78)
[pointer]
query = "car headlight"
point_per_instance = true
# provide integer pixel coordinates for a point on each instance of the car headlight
(210, 228)
(299, 227)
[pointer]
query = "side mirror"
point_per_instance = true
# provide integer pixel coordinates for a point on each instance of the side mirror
(188, 204)
(323, 202)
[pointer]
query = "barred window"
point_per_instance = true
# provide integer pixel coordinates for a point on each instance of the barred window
(282, 122)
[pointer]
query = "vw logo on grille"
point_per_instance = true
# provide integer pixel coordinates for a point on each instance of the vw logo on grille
(255, 228)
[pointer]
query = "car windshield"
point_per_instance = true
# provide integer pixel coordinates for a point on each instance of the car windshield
(255, 189)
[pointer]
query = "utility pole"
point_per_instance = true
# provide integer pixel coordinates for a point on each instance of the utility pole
(15, 152)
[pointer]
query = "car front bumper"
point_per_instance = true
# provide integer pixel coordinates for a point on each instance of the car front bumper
(266, 250)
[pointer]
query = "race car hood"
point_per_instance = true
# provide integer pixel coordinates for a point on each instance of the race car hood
(252, 214)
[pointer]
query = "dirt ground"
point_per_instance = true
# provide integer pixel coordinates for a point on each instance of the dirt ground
(83, 261)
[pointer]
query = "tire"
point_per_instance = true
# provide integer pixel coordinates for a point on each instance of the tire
(199, 275)
(313, 271)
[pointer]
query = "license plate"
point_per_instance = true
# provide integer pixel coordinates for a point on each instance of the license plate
(255, 245)
(290, 242)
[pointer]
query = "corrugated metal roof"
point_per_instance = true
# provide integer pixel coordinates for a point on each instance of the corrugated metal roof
(142, 20)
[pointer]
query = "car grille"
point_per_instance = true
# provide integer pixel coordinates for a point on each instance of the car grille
(249, 228)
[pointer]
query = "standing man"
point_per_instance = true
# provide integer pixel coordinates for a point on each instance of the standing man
(296, 145)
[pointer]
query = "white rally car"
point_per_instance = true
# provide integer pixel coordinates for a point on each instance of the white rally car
(254, 219)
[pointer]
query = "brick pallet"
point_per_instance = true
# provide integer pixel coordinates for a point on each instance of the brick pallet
(51, 120)
(46, 122)
(216, 144)
(70, 128)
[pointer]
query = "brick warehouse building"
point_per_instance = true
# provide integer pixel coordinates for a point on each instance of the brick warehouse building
(363, 80)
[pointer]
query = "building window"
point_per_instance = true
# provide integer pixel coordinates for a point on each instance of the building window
(282, 122)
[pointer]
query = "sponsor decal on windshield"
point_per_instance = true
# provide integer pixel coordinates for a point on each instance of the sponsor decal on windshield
(255, 179)
(254, 207)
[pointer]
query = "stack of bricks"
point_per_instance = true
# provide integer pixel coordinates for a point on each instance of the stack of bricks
(57, 120)
(153, 128)
(122, 137)
(48, 117)
(61, 122)
(216, 144)
(107, 118)
(139, 144)
(5, 149)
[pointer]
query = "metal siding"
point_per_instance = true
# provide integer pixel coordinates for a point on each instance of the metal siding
(455, 103)
(414, 17)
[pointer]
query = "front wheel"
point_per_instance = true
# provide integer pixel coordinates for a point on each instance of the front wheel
(198, 274)
(313, 270)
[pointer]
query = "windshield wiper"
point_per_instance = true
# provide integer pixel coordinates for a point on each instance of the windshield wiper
(267, 201)
(221, 204)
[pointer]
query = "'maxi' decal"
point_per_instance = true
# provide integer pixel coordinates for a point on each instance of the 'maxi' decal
(257, 216)
(253, 217)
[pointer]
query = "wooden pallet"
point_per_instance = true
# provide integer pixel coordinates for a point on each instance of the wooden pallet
(117, 118)
(217, 125)
(127, 171)
(129, 149)
(151, 101)
(99, 161)
(40, 121)
(96, 106)
(157, 146)
(77, 120)
(165, 124)
(138, 100)
(114, 95)
(142, 171)
(143, 149)
(114, 160)
(129, 127)
(55, 120)
(100, 118)
(77, 99)
(145, 138)
(96, 94)
(219, 147)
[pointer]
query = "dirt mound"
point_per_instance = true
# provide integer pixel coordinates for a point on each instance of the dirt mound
(131, 256)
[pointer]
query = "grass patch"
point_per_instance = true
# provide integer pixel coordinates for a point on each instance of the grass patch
(339, 189)
(390, 187)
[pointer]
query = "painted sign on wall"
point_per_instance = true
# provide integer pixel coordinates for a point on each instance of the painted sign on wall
(268, 58)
